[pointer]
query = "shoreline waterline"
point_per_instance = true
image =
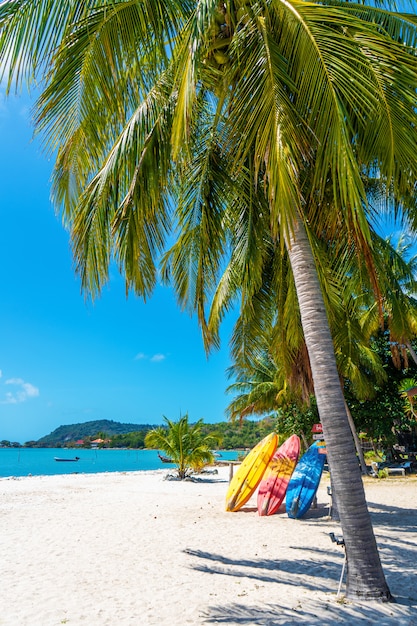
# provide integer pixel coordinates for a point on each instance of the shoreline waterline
(20, 462)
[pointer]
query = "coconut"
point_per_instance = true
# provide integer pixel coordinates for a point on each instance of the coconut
(219, 17)
(220, 57)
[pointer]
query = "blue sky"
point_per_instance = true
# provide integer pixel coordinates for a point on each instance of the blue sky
(64, 360)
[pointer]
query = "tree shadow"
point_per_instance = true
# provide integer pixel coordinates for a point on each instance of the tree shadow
(194, 478)
(394, 517)
(395, 530)
(310, 613)
(201, 479)
(318, 572)
(284, 571)
(307, 574)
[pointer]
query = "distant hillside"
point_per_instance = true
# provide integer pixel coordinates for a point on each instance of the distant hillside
(234, 435)
(74, 432)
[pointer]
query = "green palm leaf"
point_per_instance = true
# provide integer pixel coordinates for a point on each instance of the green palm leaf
(185, 443)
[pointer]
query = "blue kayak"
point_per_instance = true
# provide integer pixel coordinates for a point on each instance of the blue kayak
(305, 481)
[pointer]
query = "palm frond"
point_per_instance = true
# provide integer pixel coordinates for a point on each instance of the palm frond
(125, 206)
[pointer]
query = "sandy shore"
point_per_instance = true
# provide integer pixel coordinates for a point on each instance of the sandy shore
(135, 549)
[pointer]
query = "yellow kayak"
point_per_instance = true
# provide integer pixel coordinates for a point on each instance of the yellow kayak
(250, 472)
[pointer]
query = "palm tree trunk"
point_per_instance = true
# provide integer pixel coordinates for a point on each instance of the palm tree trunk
(359, 452)
(357, 441)
(365, 577)
(411, 351)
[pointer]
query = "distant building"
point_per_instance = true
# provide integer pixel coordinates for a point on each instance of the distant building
(97, 442)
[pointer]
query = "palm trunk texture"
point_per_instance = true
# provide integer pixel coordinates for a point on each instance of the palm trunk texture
(357, 441)
(365, 577)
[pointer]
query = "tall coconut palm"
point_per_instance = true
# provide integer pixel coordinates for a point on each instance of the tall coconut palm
(185, 444)
(242, 115)
(271, 363)
(268, 343)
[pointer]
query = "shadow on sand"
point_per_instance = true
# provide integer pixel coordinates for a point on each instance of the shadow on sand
(393, 517)
(311, 614)
(308, 573)
(284, 571)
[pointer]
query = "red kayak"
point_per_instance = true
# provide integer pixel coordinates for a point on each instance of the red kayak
(275, 481)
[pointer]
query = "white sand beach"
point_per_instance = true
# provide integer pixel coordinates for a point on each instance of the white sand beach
(135, 549)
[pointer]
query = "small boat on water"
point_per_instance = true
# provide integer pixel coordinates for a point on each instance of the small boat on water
(58, 458)
(165, 459)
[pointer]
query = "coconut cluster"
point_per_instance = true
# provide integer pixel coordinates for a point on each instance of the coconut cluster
(222, 30)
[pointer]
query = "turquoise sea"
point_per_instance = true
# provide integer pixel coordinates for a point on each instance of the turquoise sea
(41, 461)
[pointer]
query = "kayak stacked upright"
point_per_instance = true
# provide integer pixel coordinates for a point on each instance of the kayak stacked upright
(279, 474)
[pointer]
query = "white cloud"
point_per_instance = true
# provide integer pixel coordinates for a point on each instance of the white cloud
(15, 381)
(156, 358)
(23, 391)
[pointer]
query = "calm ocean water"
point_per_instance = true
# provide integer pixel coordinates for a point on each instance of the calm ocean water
(40, 461)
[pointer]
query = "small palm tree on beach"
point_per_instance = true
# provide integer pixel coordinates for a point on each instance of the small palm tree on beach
(186, 444)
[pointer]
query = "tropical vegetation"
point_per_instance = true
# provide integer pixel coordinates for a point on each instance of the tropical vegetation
(249, 128)
(372, 358)
(383, 417)
(185, 444)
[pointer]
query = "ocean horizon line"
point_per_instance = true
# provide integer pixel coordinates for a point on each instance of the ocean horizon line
(20, 462)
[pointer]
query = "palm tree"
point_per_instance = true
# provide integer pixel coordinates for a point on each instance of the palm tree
(260, 388)
(184, 443)
(408, 390)
(271, 365)
(242, 116)
(396, 269)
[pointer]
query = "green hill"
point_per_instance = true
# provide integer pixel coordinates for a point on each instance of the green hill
(74, 432)
(234, 435)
